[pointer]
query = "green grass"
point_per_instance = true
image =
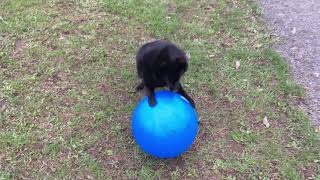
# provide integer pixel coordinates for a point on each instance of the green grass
(67, 70)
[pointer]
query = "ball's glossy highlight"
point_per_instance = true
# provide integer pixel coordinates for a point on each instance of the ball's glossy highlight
(167, 129)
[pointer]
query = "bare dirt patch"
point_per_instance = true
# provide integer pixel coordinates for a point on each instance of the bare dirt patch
(20, 46)
(60, 82)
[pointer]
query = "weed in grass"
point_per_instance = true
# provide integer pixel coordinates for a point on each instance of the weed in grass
(51, 149)
(243, 136)
(13, 140)
(64, 170)
(93, 166)
(5, 175)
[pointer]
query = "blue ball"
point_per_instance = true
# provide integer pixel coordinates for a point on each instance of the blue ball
(166, 130)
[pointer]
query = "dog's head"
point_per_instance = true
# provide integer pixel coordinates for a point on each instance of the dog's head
(173, 64)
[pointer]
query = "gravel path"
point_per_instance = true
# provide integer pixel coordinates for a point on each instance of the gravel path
(298, 22)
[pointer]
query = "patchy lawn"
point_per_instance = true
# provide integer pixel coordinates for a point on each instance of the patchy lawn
(67, 72)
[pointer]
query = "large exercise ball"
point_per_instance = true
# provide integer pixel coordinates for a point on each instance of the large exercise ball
(166, 130)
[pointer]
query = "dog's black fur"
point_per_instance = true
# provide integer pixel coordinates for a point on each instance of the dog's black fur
(161, 63)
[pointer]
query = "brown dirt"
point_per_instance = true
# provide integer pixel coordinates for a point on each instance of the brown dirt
(57, 83)
(19, 49)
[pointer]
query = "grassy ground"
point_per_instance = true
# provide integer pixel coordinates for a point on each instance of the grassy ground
(67, 67)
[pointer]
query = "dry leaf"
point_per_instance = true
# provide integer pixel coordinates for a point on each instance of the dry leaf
(266, 122)
(259, 45)
(294, 30)
(188, 55)
(237, 64)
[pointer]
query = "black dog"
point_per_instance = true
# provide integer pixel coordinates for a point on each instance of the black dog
(160, 63)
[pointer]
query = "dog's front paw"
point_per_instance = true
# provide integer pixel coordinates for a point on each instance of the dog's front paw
(139, 87)
(152, 102)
